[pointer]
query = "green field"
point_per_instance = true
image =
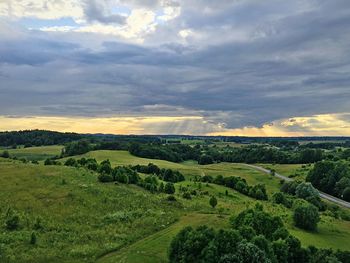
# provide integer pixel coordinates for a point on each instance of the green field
(36, 153)
(296, 171)
(84, 220)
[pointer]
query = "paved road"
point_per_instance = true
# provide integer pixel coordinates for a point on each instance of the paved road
(322, 195)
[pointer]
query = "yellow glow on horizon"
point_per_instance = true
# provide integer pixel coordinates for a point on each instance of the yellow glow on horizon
(317, 125)
(112, 125)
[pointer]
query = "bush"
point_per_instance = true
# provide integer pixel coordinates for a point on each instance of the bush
(306, 190)
(5, 154)
(186, 195)
(169, 188)
(171, 198)
(205, 159)
(306, 217)
(346, 194)
(213, 201)
(12, 222)
(71, 162)
(105, 178)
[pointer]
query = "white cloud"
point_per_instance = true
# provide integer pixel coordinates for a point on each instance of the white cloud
(42, 9)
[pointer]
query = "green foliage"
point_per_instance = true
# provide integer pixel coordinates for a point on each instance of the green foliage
(250, 244)
(327, 176)
(346, 194)
(306, 190)
(36, 138)
(5, 154)
(257, 191)
(12, 221)
(263, 223)
(306, 217)
(105, 178)
(186, 195)
(169, 188)
(213, 201)
(205, 159)
(167, 175)
(281, 198)
(71, 162)
(76, 148)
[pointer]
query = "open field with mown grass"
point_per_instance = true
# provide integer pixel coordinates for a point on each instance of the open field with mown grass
(84, 220)
(36, 153)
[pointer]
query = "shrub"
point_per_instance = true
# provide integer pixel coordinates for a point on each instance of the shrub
(5, 154)
(205, 159)
(346, 194)
(306, 217)
(305, 190)
(213, 201)
(171, 198)
(169, 188)
(105, 178)
(71, 162)
(186, 195)
(12, 222)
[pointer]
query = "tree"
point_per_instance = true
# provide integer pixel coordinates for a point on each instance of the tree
(169, 188)
(213, 201)
(306, 217)
(205, 159)
(105, 167)
(250, 253)
(346, 194)
(305, 190)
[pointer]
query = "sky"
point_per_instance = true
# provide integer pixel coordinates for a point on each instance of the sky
(201, 67)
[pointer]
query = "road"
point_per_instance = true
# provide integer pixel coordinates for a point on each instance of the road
(322, 195)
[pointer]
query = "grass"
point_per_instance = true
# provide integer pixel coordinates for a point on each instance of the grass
(296, 171)
(81, 218)
(36, 153)
(84, 220)
(153, 249)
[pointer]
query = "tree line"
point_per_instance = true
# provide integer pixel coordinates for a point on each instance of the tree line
(239, 184)
(332, 178)
(129, 175)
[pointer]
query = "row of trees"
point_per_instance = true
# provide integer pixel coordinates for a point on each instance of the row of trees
(256, 237)
(167, 175)
(332, 178)
(208, 155)
(239, 184)
(173, 152)
(121, 174)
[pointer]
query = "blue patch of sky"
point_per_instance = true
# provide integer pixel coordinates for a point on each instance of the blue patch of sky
(36, 23)
(121, 10)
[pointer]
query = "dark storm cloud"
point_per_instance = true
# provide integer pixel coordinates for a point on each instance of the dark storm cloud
(293, 61)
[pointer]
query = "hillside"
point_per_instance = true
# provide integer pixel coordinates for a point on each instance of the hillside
(75, 218)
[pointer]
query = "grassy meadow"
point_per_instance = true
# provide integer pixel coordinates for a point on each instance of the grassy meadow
(82, 220)
(36, 153)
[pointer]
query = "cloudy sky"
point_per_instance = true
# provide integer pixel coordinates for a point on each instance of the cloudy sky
(239, 67)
